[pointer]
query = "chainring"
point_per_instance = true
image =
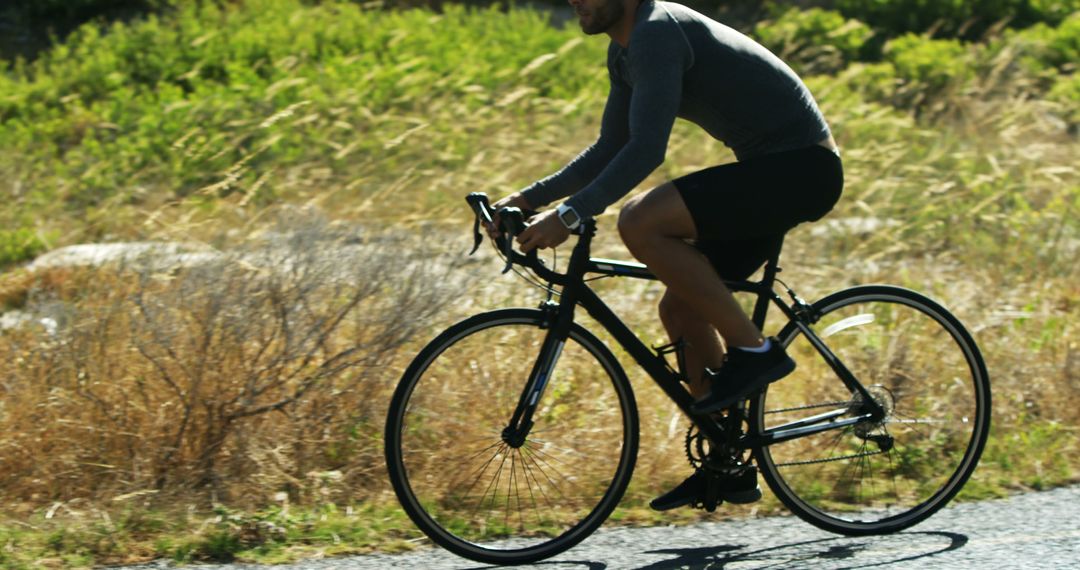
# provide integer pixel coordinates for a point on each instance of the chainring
(701, 453)
(696, 452)
(716, 465)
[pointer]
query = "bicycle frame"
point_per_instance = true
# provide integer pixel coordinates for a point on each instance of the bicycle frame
(576, 292)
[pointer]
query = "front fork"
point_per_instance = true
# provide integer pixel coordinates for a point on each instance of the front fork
(558, 321)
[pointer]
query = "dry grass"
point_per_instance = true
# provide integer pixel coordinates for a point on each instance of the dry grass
(240, 376)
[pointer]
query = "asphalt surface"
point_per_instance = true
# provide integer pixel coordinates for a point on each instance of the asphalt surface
(1034, 530)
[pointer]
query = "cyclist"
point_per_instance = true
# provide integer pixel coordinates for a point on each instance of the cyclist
(666, 61)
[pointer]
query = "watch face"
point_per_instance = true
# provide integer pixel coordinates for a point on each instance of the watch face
(569, 217)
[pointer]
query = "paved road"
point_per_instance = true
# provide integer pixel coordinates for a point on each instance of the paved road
(1035, 530)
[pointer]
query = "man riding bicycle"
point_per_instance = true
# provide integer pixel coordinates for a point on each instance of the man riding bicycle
(666, 61)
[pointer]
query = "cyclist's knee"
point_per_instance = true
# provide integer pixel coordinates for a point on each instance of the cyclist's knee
(633, 222)
(659, 213)
(631, 215)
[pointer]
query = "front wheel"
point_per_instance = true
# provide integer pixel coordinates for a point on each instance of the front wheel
(477, 495)
(923, 368)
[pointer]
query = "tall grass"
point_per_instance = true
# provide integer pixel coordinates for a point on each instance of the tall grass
(258, 385)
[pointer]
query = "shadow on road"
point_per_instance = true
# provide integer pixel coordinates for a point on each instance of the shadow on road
(833, 553)
(837, 553)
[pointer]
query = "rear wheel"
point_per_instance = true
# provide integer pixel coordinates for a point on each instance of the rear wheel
(474, 493)
(919, 363)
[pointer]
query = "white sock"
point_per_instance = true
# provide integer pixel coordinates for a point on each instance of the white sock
(758, 349)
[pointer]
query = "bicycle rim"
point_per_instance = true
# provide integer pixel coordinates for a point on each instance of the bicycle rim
(920, 364)
(464, 486)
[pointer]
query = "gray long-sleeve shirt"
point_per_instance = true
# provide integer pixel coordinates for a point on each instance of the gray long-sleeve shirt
(679, 63)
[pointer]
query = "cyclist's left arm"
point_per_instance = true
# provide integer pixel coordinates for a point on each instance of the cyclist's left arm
(658, 56)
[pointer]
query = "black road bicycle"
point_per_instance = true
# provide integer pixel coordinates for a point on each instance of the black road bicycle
(513, 434)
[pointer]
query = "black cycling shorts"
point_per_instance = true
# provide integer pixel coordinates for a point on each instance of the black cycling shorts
(742, 210)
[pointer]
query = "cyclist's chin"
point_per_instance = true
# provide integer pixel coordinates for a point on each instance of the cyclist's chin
(591, 26)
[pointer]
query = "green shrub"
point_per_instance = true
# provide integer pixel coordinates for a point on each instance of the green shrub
(1066, 90)
(926, 68)
(1044, 46)
(966, 18)
(1028, 63)
(858, 84)
(815, 40)
(19, 245)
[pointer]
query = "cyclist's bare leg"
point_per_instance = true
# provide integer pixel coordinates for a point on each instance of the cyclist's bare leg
(655, 226)
(702, 348)
(696, 306)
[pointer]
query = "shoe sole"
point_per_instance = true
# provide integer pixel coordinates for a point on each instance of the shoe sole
(768, 377)
(735, 498)
(743, 497)
(670, 506)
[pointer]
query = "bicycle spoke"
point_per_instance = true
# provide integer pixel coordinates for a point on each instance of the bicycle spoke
(528, 485)
(513, 472)
(536, 463)
(479, 472)
(539, 485)
(494, 485)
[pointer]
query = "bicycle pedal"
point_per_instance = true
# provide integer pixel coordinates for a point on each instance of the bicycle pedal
(708, 506)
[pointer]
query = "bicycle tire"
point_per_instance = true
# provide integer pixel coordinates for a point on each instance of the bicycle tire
(453, 402)
(924, 367)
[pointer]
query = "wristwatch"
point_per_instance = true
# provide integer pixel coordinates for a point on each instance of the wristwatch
(568, 216)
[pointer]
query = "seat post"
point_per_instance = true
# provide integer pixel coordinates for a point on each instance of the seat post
(761, 306)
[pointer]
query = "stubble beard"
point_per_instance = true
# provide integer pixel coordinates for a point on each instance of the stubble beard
(603, 17)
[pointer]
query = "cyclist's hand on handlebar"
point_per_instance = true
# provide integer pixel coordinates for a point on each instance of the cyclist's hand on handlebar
(515, 200)
(546, 230)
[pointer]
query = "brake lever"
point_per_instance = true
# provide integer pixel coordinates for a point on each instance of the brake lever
(478, 201)
(478, 238)
(507, 253)
(514, 222)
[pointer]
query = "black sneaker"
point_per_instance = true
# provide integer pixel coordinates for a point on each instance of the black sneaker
(740, 488)
(689, 491)
(742, 374)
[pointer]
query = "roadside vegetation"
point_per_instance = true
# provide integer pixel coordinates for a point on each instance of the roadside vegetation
(313, 157)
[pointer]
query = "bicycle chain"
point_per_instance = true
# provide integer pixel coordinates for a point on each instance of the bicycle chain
(692, 435)
(827, 460)
(811, 407)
